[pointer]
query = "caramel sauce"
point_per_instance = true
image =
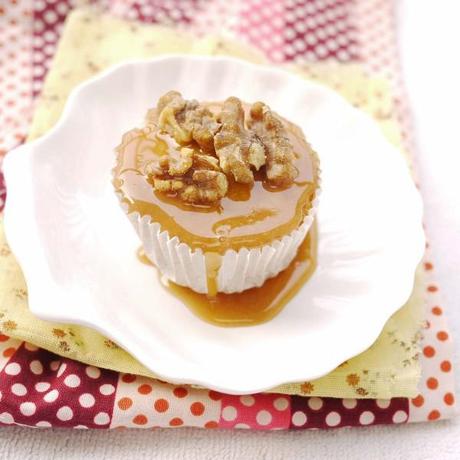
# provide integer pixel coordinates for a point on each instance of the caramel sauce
(253, 306)
(248, 216)
(141, 257)
(213, 261)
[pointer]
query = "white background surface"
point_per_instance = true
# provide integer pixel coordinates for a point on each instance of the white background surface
(429, 44)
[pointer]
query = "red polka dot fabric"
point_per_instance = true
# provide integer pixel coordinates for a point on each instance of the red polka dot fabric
(333, 413)
(40, 389)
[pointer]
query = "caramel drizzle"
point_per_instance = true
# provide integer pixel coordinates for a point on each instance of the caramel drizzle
(253, 306)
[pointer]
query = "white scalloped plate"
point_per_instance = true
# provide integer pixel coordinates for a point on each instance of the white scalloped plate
(77, 248)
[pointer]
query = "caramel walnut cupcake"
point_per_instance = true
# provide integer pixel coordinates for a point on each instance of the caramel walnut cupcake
(221, 194)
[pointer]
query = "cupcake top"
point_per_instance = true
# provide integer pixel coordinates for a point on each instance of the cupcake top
(221, 175)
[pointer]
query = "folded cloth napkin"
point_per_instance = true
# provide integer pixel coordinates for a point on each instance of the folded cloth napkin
(129, 405)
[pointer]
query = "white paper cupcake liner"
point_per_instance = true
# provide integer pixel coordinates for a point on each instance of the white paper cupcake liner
(239, 270)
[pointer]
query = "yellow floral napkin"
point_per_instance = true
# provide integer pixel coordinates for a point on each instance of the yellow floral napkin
(92, 42)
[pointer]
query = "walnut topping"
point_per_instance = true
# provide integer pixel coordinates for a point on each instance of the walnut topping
(211, 147)
(280, 155)
(237, 148)
(194, 177)
(187, 121)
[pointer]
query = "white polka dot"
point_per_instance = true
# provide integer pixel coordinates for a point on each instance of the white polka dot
(50, 16)
(86, 400)
(13, 369)
(320, 33)
(399, 416)
(107, 389)
(147, 10)
(38, 26)
(342, 39)
(299, 45)
(290, 17)
(332, 44)
(29, 347)
(54, 365)
(49, 49)
(331, 30)
(255, 16)
(19, 389)
(51, 396)
(315, 403)
(42, 386)
(311, 22)
(366, 418)
(289, 50)
(7, 418)
(289, 33)
(72, 381)
(353, 49)
(62, 369)
(39, 5)
(81, 427)
(176, 14)
(102, 418)
(264, 417)
(310, 8)
(333, 418)
(36, 367)
(229, 413)
(299, 418)
(277, 39)
(321, 50)
(247, 400)
(383, 403)
(242, 425)
(65, 413)
(49, 36)
(62, 8)
(278, 22)
(28, 408)
(37, 85)
(300, 27)
(343, 55)
(93, 372)
(132, 14)
(265, 29)
(349, 403)
(281, 403)
(43, 424)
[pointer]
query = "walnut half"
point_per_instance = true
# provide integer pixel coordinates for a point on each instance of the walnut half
(280, 154)
(193, 177)
(237, 148)
(187, 121)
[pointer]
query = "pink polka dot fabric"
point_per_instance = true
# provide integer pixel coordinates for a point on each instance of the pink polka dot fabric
(40, 389)
(259, 411)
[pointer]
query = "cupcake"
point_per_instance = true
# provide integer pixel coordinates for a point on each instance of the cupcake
(221, 194)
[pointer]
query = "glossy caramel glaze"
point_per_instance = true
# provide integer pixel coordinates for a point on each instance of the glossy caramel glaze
(253, 306)
(249, 216)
